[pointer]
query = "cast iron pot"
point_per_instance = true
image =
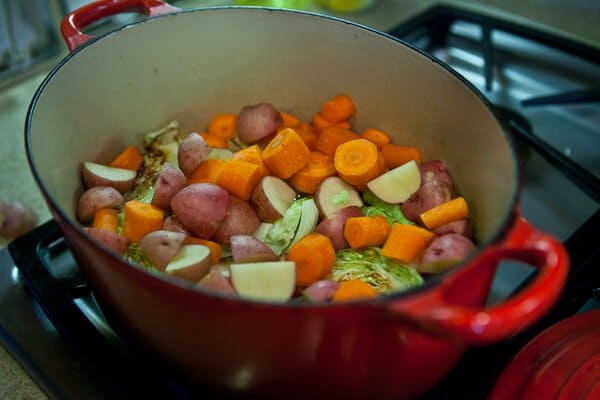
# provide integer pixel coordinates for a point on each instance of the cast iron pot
(190, 65)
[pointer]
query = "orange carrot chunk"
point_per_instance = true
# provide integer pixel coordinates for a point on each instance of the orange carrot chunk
(106, 219)
(289, 120)
(223, 126)
(314, 257)
(406, 242)
(251, 154)
(379, 138)
(207, 172)
(449, 211)
(395, 155)
(239, 177)
(319, 124)
(366, 231)
(332, 137)
(309, 177)
(357, 161)
(140, 219)
(354, 290)
(130, 158)
(338, 108)
(215, 248)
(308, 135)
(214, 141)
(286, 154)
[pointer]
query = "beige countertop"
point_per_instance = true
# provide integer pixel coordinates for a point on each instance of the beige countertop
(579, 20)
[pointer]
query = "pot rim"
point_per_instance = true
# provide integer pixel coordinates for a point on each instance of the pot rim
(429, 284)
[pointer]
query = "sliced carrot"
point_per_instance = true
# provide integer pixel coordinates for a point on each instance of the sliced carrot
(357, 161)
(223, 126)
(106, 219)
(366, 231)
(449, 211)
(314, 257)
(319, 123)
(140, 219)
(286, 154)
(130, 158)
(308, 135)
(309, 177)
(214, 141)
(338, 108)
(333, 136)
(354, 290)
(289, 120)
(207, 172)
(406, 242)
(376, 136)
(239, 177)
(252, 154)
(215, 248)
(395, 155)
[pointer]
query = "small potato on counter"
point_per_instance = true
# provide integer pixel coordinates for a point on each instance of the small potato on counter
(16, 219)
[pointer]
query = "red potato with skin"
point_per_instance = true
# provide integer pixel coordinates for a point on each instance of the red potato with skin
(429, 195)
(94, 175)
(255, 122)
(170, 181)
(111, 240)
(246, 248)
(321, 291)
(216, 281)
(191, 262)
(96, 198)
(462, 227)
(192, 151)
(201, 207)
(271, 198)
(333, 226)
(159, 247)
(436, 171)
(16, 219)
(444, 250)
(171, 223)
(329, 190)
(240, 219)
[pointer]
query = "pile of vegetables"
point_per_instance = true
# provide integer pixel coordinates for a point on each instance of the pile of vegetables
(264, 206)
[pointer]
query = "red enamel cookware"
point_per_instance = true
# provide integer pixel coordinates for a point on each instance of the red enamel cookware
(190, 65)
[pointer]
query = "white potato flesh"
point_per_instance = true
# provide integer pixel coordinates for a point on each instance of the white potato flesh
(398, 184)
(191, 262)
(264, 281)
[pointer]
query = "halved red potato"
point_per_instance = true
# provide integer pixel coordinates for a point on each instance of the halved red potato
(333, 226)
(257, 121)
(110, 239)
(271, 197)
(216, 281)
(334, 194)
(159, 247)
(191, 262)
(266, 281)
(246, 248)
(444, 251)
(170, 181)
(240, 219)
(200, 207)
(94, 174)
(192, 151)
(96, 198)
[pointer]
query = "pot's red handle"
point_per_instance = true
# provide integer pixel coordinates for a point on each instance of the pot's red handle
(439, 310)
(78, 19)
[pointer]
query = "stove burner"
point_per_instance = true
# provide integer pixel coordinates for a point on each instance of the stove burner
(510, 117)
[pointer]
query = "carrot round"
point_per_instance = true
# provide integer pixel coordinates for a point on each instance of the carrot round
(289, 120)
(354, 290)
(286, 154)
(239, 177)
(338, 108)
(106, 219)
(314, 257)
(130, 158)
(366, 231)
(357, 161)
(317, 169)
(223, 126)
(215, 248)
(214, 141)
(207, 172)
(332, 137)
(449, 211)
(140, 219)
(406, 242)
(395, 155)
(377, 137)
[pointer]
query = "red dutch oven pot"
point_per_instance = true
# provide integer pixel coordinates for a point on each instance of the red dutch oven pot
(190, 65)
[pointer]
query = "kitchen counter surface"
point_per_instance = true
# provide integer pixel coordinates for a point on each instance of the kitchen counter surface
(574, 19)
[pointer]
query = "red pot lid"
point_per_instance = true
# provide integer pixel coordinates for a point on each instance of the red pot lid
(562, 362)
